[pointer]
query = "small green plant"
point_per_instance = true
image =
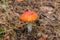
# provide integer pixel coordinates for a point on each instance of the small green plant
(1, 33)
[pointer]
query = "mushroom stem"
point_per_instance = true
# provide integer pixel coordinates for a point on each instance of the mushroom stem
(29, 26)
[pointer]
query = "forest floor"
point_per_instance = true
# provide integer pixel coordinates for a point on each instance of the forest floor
(47, 27)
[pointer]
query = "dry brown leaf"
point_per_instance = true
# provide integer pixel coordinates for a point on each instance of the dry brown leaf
(6, 36)
(44, 37)
(21, 0)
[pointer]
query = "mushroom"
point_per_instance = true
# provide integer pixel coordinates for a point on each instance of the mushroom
(29, 17)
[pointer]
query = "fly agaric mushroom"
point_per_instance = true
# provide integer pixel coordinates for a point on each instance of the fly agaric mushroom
(29, 16)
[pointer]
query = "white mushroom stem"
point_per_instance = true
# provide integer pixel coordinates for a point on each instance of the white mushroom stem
(29, 26)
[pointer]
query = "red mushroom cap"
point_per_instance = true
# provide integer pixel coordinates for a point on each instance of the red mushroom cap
(29, 16)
